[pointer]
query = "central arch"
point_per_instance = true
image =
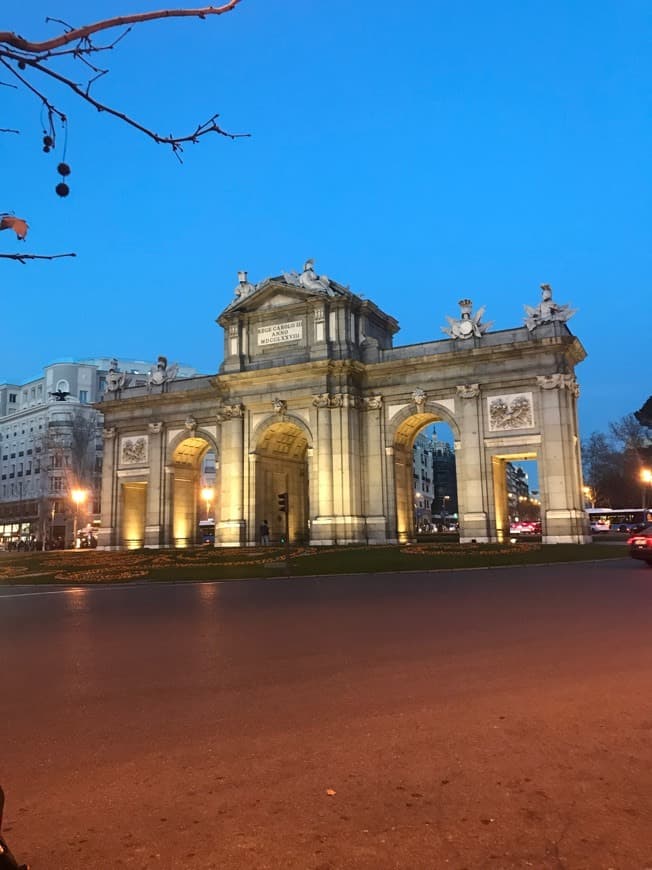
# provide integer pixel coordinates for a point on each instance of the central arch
(406, 426)
(281, 465)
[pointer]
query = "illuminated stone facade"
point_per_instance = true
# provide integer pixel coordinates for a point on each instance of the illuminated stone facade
(312, 399)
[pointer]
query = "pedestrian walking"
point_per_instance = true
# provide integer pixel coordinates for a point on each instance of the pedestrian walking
(264, 533)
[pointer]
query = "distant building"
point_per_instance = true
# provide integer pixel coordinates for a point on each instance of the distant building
(518, 491)
(51, 444)
(435, 480)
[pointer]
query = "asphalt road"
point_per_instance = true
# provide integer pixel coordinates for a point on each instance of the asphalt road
(477, 719)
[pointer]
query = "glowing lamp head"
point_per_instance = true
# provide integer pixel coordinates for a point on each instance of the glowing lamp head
(79, 496)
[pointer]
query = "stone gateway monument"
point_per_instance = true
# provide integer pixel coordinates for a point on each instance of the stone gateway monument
(313, 400)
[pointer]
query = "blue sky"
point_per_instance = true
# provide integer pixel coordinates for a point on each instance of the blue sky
(419, 151)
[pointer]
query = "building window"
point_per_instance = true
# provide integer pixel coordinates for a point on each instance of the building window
(12, 398)
(83, 396)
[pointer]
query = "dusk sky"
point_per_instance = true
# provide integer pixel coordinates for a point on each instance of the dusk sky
(421, 152)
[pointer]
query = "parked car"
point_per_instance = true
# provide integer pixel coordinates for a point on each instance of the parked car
(640, 545)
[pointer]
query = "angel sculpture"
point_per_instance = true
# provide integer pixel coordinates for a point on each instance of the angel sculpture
(468, 326)
(546, 311)
(115, 379)
(162, 374)
(308, 278)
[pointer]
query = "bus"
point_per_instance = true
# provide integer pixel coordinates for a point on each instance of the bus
(619, 519)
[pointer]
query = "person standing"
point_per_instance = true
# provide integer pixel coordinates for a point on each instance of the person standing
(264, 533)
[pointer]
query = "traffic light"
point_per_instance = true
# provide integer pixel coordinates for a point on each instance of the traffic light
(283, 502)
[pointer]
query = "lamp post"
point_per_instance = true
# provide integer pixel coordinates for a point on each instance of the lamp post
(78, 496)
(646, 480)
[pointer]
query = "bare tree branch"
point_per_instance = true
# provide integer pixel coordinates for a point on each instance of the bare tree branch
(24, 59)
(175, 141)
(22, 258)
(77, 33)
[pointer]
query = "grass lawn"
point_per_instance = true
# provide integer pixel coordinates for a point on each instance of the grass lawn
(72, 567)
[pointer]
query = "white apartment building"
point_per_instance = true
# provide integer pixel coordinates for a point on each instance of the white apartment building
(51, 445)
(434, 479)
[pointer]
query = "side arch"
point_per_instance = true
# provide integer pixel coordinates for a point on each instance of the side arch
(183, 462)
(181, 437)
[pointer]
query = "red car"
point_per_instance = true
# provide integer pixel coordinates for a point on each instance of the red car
(640, 545)
(525, 527)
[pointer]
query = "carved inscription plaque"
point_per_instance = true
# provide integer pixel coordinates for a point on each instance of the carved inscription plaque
(279, 333)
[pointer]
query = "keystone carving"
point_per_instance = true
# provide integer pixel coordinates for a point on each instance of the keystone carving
(155, 428)
(108, 433)
(372, 403)
(190, 424)
(419, 398)
(280, 406)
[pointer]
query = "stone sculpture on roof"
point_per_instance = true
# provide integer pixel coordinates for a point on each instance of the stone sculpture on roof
(309, 279)
(162, 374)
(469, 325)
(115, 379)
(244, 288)
(547, 311)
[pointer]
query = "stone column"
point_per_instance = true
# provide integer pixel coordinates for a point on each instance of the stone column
(167, 506)
(155, 488)
(321, 526)
(107, 535)
(473, 479)
(255, 500)
(347, 491)
(390, 477)
(375, 472)
(560, 474)
(230, 530)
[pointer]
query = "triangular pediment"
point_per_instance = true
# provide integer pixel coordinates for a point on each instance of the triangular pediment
(271, 294)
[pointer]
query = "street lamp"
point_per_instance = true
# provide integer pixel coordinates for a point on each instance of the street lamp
(207, 494)
(79, 496)
(646, 480)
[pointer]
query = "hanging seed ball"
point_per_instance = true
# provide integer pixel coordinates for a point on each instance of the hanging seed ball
(48, 141)
(46, 148)
(21, 64)
(63, 169)
(62, 189)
